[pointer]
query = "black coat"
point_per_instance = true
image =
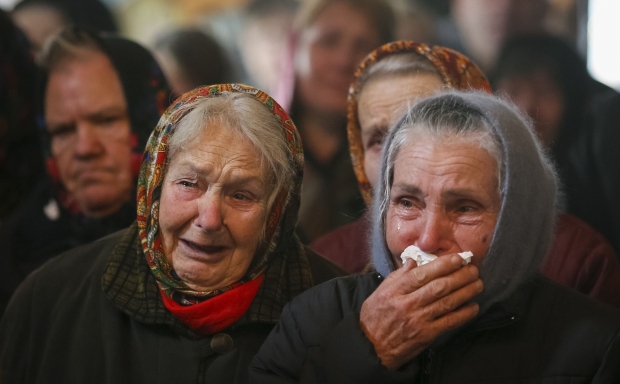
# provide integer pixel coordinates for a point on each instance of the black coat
(41, 229)
(94, 315)
(544, 333)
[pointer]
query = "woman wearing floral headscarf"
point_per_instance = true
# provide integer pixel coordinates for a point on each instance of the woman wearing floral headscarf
(386, 81)
(189, 292)
(400, 73)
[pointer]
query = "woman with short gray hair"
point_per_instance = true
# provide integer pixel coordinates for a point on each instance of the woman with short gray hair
(188, 292)
(463, 216)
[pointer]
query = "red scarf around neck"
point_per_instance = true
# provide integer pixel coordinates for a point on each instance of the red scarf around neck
(217, 313)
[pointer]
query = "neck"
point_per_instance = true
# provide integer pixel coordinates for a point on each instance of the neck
(323, 134)
(101, 211)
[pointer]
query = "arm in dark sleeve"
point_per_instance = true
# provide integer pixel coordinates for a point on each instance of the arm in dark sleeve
(329, 347)
(348, 356)
(282, 355)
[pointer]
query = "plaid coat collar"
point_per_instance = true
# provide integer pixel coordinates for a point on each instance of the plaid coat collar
(129, 283)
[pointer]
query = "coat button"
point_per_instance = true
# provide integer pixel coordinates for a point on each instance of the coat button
(221, 343)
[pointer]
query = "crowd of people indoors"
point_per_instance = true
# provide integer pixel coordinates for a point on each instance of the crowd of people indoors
(163, 220)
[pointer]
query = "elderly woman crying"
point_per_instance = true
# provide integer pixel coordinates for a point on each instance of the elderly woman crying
(189, 292)
(459, 172)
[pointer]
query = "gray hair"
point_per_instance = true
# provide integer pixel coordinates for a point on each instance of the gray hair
(528, 184)
(445, 120)
(70, 43)
(400, 64)
(250, 119)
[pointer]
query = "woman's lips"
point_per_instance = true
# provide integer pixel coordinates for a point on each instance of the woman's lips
(208, 249)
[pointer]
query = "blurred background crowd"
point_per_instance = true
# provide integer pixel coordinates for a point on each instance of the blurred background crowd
(551, 57)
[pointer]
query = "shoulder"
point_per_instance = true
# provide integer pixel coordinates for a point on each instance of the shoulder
(356, 230)
(329, 301)
(577, 247)
(312, 316)
(37, 215)
(565, 306)
(82, 258)
(565, 327)
(581, 258)
(346, 246)
(67, 273)
(576, 233)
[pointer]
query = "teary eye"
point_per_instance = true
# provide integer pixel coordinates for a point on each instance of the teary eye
(187, 184)
(240, 196)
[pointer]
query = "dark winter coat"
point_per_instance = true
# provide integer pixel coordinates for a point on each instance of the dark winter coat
(95, 315)
(544, 333)
(45, 225)
(528, 329)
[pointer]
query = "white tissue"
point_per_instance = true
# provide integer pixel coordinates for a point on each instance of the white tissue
(421, 258)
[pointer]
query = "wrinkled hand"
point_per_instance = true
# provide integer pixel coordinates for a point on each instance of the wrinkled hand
(413, 306)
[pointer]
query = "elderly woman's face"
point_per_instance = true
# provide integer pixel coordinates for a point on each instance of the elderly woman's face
(380, 102)
(444, 199)
(213, 209)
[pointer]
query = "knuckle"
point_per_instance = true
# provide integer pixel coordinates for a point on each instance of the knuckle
(419, 275)
(439, 287)
(451, 322)
(429, 313)
(448, 303)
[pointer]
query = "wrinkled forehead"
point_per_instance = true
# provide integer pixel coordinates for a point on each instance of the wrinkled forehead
(387, 96)
(88, 84)
(473, 157)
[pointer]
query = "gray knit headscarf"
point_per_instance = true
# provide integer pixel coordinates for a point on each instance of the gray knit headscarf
(528, 189)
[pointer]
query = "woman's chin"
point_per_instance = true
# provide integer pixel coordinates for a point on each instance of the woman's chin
(205, 271)
(200, 277)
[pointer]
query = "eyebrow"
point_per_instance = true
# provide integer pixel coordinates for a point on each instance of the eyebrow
(456, 193)
(235, 177)
(376, 129)
(408, 188)
(461, 192)
(104, 112)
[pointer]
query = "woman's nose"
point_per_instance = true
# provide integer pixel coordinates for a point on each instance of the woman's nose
(87, 142)
(345, 58)
(209, 216)
(434, 236)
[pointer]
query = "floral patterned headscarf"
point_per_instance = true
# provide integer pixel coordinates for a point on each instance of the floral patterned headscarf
(279, 233)
(456, 70)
